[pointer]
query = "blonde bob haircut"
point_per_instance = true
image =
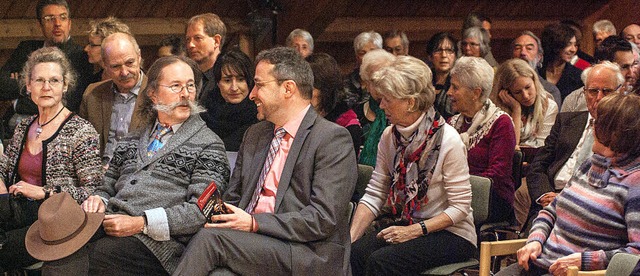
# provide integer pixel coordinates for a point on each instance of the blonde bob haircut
(507, 74)
(406, 78)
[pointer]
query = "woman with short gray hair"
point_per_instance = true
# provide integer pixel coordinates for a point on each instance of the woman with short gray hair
(486, 131)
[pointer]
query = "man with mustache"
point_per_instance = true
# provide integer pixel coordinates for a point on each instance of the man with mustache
(111, 105)
(150, 190)
(54, 20)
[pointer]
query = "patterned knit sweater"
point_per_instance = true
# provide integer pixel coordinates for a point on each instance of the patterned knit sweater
(71, 157)
(171, 180)
(596, 214)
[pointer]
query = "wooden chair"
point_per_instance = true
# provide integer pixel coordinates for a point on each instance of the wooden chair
(481, 189)
(508, 247)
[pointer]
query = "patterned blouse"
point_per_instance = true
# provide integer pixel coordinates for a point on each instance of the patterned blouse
(71, 158)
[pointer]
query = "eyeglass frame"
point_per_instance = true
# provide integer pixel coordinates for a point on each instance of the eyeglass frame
(64, 17)
(41, 82)
(596, 91)
(182, 87)
(441, 51)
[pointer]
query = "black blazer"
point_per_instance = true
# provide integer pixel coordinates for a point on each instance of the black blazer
(558, 147)
(569, 81)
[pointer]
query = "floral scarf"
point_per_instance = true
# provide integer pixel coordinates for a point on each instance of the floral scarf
(480, 125)
(414, 164)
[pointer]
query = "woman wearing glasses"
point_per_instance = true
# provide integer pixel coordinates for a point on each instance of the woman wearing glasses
(442, 49)
(52, 152)
(518, 91)
(475, 43)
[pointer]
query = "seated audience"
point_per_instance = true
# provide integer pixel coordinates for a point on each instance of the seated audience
(569, 143)
(302, 41)
(150, 190)
(614, 49)
(486, 131)
(421, 175)
(172, 45)
(559, 46)
(601, 30)
(371, 116)
(53, 152)
(517, 91)
(362, 44)
(595, 215)
(441, 51)
(289, 206)
(396, 42)
(232, 112)
(328, 94)
(99, 31)
(528, 48)
(475, 43)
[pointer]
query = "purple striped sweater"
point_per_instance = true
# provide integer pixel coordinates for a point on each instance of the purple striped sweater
(597, 214)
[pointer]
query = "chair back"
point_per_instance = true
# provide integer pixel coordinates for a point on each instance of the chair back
(481, 191)
(364, 174)
(622, 264)
(516, 168)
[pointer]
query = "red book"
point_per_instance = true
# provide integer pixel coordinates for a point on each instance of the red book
(210, 202)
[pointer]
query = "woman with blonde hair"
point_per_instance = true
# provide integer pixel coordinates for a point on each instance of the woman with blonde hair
(518, 91)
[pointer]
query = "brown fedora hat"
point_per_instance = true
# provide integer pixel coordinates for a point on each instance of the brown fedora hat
(61, 229)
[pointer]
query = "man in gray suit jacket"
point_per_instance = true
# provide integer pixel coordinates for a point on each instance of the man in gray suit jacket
(291, 217)
(155, 177)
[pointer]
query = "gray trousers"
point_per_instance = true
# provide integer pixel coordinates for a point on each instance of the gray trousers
(225, 251)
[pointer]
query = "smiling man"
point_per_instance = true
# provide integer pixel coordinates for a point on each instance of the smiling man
(289, 205)
(150, 190)
(54, 20)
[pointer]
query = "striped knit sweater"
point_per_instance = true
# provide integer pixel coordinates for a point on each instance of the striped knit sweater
(597, 214)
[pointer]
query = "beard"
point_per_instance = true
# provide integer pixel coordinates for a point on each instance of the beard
(194, 107)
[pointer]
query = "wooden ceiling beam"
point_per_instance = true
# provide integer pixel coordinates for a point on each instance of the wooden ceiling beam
(313, 16)
(344, 29)
(148, 31)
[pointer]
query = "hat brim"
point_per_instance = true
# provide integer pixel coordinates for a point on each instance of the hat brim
(45, 252)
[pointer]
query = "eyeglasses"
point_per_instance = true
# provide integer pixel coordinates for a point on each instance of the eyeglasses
(177, 88)
(93, 45)
(50, 18)
(441, 51)
(472, 44)
(605, 91)
(53, 82)
(260, 84)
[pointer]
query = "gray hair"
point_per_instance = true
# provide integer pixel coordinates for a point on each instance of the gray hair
(53, 55)
(603, 65)
(538, 44)
(396, 33)
(474, 72)
(373, 61)
(365, 37)
(117, 36)
(107, 26)
(300, 33)
(289, 65)
(406, 78)
(481, 35)
(604, 26)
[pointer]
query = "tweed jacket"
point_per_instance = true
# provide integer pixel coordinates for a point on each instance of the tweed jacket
(71, 157)
(171, 180)
(97, 104)
(558, 147)
(313, 193)
(9, 89)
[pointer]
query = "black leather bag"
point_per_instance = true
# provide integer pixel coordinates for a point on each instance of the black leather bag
(17, 212)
